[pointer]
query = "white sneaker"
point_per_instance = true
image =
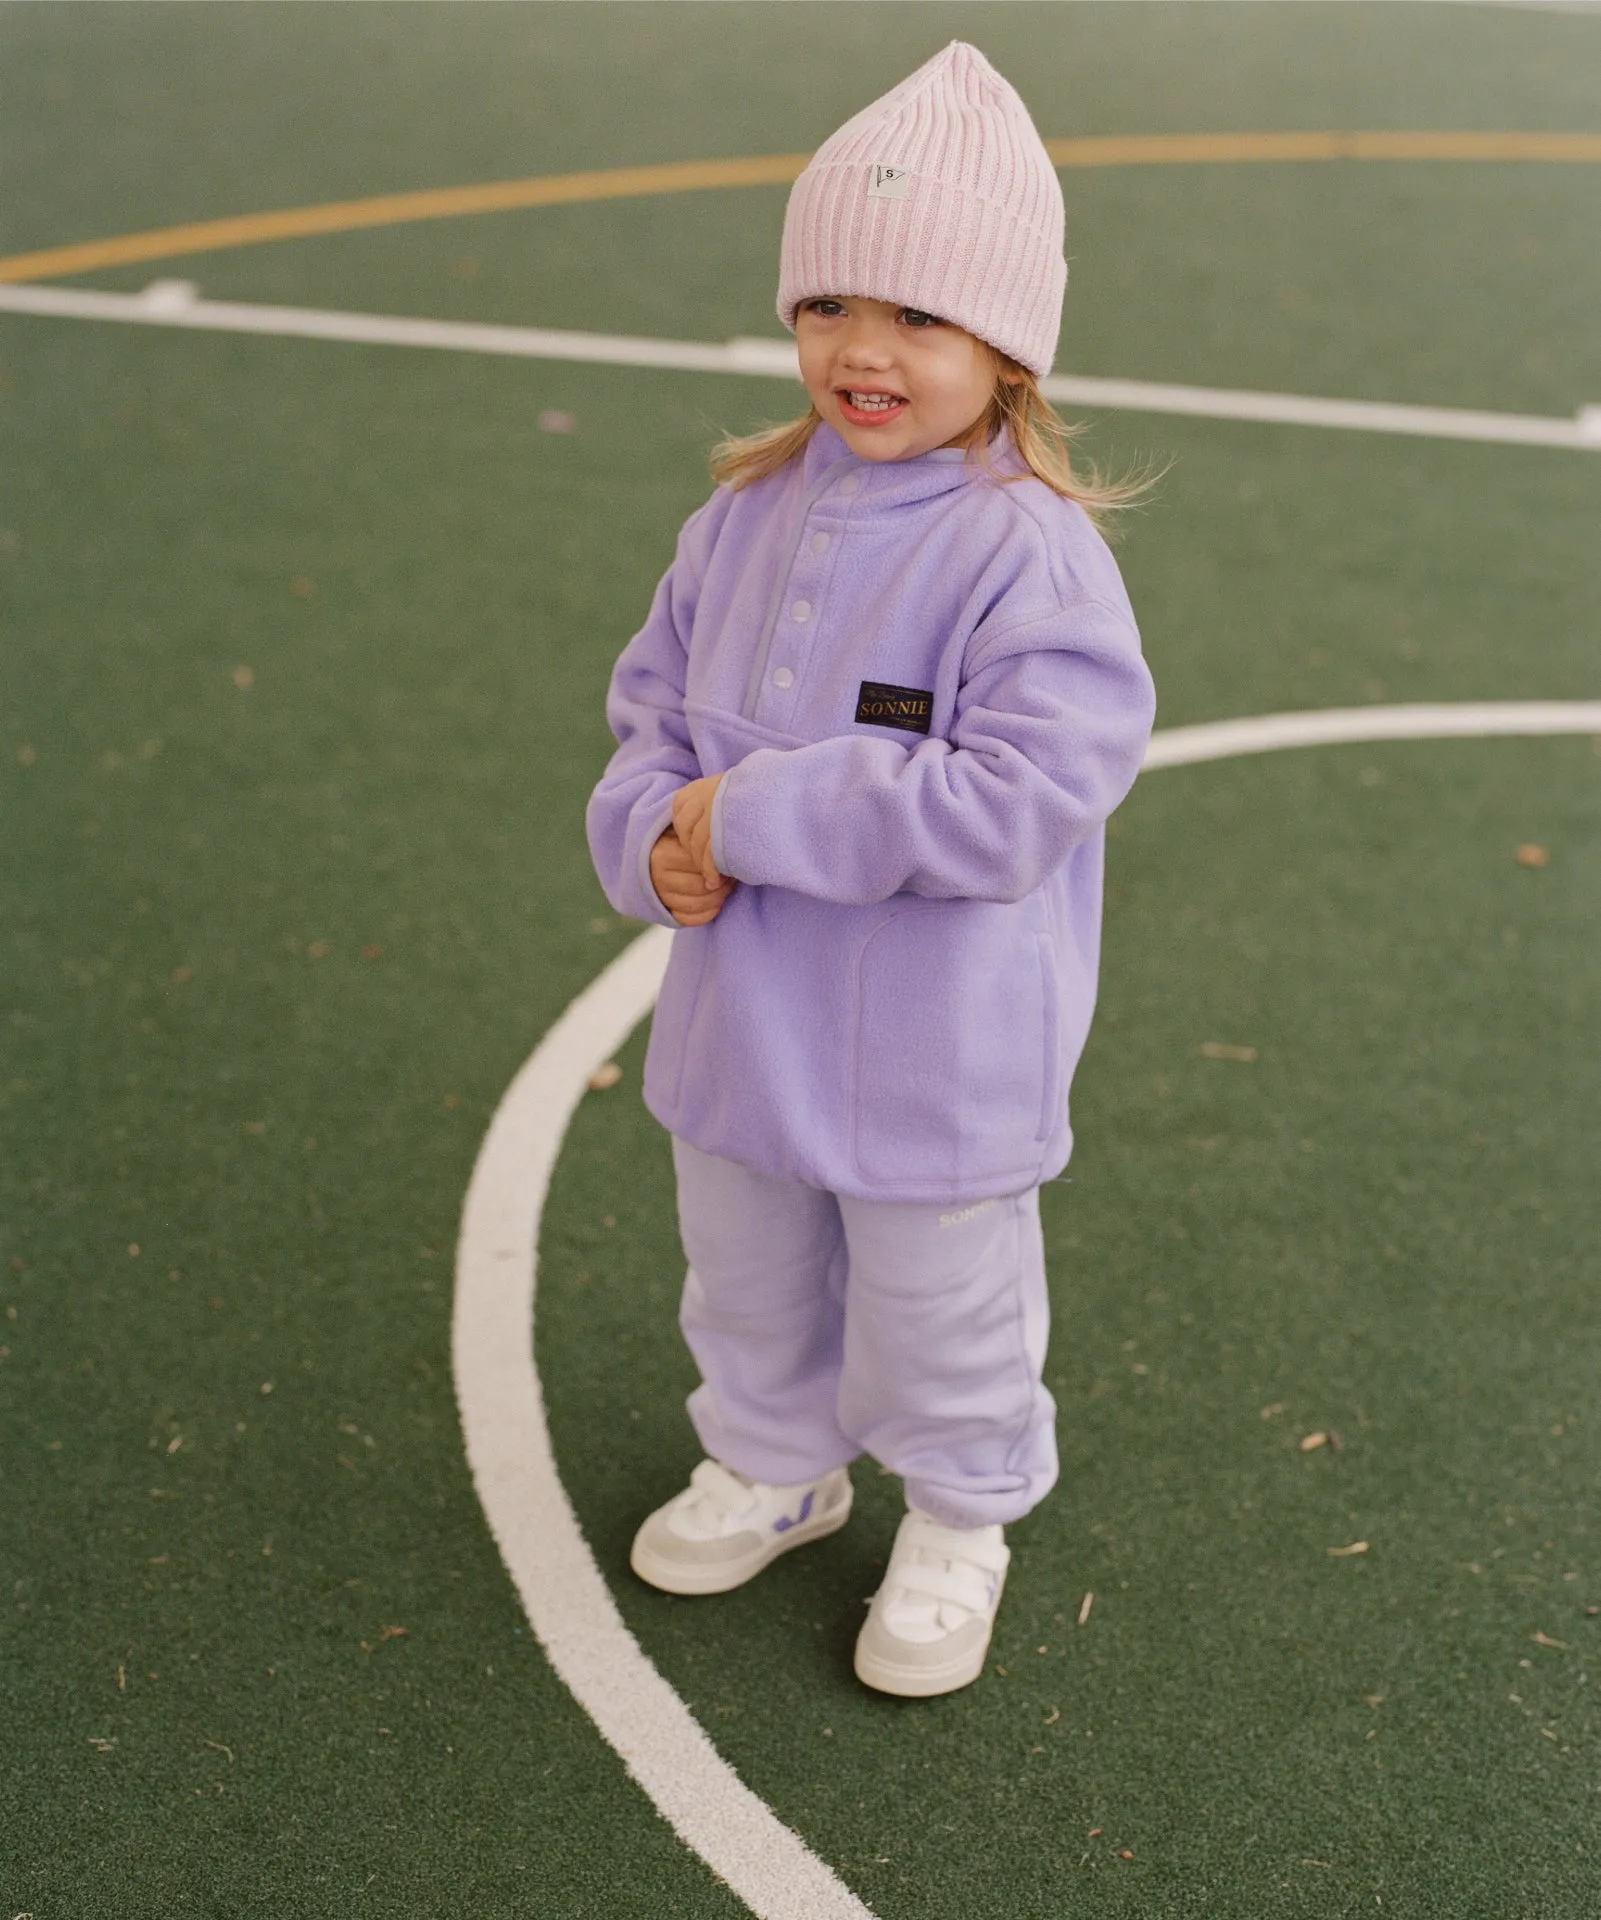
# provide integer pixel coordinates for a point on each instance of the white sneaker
(723, 1529)
(928, 1627)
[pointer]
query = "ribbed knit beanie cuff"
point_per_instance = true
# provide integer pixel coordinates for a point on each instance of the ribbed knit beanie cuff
(940, 196)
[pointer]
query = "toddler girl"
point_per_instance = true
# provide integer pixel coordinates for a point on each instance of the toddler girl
(888, 692)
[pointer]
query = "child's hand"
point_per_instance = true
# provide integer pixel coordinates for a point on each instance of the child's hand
(692, 822)
(681, 886)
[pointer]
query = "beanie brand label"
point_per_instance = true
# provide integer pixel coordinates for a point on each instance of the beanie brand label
(909, 708)
(888, 183)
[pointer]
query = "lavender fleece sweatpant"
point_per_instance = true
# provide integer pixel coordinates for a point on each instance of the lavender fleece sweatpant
(826, 1326)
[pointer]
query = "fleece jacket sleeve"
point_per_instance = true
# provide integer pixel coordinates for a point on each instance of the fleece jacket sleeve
(633, 804)
(1050, 728)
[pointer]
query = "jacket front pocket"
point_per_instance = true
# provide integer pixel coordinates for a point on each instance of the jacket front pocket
(950, 1083)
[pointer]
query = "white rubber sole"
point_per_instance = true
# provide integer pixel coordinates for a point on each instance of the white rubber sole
(919, 1683)
(686, 1577)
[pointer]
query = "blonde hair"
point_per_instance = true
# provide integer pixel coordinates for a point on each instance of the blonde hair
(1043, 440)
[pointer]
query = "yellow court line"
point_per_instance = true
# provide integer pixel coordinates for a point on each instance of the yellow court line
(778, 169)
(394, 209)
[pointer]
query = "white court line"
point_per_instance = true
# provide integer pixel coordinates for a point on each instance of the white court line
(176, 303)
(1334, 726)
(509, 1447)
(514, 1469)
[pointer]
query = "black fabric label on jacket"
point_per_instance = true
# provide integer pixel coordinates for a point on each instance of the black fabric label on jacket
(908, 708)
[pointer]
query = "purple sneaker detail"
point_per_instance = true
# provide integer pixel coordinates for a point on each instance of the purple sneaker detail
(784, 1523)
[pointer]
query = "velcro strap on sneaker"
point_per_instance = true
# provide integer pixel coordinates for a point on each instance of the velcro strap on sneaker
(711, 1476)
(713, 1482)
(967, 1586)
(977, 1548)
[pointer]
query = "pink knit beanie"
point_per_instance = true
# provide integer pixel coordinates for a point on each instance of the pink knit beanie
(941, 196)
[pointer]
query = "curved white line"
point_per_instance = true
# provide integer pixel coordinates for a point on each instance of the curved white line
(509, 1450)
(502, 1409)
(1339, 726)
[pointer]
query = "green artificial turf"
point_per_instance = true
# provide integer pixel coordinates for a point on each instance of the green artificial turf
(203, 1062)
(272, 944)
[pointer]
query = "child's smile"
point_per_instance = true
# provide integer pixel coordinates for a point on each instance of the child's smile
(864, 406)
(893, 382)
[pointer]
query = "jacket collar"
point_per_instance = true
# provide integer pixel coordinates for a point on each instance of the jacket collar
(897, 482)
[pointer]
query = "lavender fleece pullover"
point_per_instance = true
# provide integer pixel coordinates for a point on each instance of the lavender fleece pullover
(927, 694)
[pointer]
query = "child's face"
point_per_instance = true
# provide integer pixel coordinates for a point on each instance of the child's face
(891, 381)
